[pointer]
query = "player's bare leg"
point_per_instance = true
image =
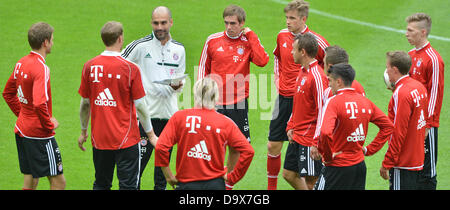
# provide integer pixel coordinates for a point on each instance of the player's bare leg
(311, 181)
(30, 183)
(57, 182)
(294, 180)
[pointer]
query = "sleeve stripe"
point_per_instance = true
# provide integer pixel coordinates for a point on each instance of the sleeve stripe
(319, 89)
(201, 67)
(131, 46)
(434, 82)
(46, 76)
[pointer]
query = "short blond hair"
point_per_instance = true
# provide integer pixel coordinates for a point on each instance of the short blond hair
(302, 7)
(206, 93)
(423, 20)
(110, 32)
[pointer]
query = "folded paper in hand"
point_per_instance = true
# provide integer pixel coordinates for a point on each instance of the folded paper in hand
(174, 81)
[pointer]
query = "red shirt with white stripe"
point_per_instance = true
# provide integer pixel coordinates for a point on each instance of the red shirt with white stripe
(28, 94)
(408, 111)
(227, 60)
(112, 84)
(307, 104)
(201, 136)
(428, 68)
(285, 69)
(344, 126)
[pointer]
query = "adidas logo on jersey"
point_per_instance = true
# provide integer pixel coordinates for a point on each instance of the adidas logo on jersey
(421, 122)
(105, 99)
(21, 96)
(358, 135)
(200, 151)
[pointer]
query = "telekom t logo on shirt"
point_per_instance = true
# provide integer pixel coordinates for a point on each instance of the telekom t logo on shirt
(353, 109)
(193, 122)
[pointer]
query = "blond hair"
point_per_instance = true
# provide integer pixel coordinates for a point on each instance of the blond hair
(302, 7)
(206, 93)
(423, 20)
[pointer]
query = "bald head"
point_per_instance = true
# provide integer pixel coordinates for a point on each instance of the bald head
(162, 11)
(161, 23)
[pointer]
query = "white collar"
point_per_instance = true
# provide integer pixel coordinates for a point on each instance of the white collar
(234, 37)
(404, 76)
(39, 55)
(417, 49)
(110, 53)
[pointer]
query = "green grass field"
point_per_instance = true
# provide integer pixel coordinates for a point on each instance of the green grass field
(77, 39)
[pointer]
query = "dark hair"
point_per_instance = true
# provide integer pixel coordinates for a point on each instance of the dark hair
(335, 55)
(399, 59)
(308, 42)
(343, 71)
(38, 33)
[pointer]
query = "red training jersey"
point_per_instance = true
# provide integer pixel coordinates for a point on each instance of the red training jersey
(344, 125)
(408, 111)
(201, 136)
(228, 60)
(112, 84)
(284, 68)
(307, 104)
(355, 85)
(28, 94)
(428, 68)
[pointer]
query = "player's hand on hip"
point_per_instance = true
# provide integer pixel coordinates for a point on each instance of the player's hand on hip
(290, 134)
(384, 173)
(55, 122)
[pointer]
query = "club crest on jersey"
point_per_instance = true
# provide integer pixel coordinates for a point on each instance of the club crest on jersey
(175, 56)
(240, 50)
(419, 62)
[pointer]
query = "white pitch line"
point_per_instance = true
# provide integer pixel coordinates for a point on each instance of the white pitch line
(363, 23)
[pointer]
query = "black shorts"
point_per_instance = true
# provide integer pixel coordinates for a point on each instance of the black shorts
(280, 116)
(239, 114)
(39, 157)
(342, 178)
(402, 179)
(427, 176)
(127, 161)
(213, 184)
(298, 159)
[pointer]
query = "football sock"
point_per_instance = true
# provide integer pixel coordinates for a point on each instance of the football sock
(273, 168)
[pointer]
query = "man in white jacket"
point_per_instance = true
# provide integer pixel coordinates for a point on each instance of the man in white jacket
(159, 57)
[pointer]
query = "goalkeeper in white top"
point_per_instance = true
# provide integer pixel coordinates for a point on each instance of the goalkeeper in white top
(159, 57)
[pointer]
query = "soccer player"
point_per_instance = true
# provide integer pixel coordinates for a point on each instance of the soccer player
(159, 57)
(285, 73)
(201, 135)
(111, 91)
(300, 170)
(343, 131)
(28, 94)
(226, 56)
(335, 55)
(428, 68)
(408, 111)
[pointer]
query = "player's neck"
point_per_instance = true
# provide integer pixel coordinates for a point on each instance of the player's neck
(41, 52)
(113, 48)
(307, 61)
(420, 44)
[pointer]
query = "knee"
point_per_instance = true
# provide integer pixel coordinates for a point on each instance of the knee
(288, 175)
